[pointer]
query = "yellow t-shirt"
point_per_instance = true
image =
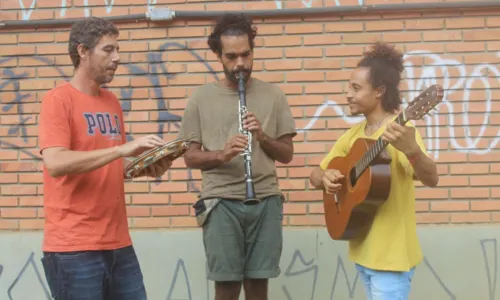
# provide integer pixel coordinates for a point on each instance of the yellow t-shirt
(392, 243)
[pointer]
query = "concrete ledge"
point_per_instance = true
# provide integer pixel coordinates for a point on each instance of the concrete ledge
(460, 263)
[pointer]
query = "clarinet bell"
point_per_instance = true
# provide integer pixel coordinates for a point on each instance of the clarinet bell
(251, 201)
(250, 198)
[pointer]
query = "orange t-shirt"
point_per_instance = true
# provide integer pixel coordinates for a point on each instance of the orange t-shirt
(83, 211)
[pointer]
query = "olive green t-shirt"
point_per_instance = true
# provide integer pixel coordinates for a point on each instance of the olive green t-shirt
(211, 119)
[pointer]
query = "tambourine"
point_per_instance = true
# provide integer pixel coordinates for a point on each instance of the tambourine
(173, 150)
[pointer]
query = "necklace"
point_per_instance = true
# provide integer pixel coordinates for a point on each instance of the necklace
(376, 125)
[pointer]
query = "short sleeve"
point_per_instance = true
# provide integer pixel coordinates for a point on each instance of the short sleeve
(190, 126)
(340, 148)
(122, 126)
(121, 116)
(286, 123)
(54, 123)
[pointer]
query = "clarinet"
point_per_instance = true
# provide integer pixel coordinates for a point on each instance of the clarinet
(250, 197)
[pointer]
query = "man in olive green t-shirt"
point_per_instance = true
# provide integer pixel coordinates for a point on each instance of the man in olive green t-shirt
(242, 242)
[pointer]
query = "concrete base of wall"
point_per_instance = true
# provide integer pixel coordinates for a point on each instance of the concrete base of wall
(460, 263)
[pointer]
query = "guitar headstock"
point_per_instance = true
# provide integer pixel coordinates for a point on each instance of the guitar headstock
(424, 103)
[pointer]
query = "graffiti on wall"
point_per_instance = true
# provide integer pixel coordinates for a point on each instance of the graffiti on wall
(28, 8)
(438, 70)
(315, 278)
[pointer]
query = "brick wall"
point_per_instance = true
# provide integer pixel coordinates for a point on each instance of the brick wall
(310, 57)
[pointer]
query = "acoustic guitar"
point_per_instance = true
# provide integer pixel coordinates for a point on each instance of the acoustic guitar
(367, 175)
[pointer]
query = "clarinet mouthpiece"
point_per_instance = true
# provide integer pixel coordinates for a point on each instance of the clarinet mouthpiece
(241, 76)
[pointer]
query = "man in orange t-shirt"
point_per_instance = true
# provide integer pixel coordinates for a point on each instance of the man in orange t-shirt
(88, 252)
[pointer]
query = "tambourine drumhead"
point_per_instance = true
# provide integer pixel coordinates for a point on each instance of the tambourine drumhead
(173, 150)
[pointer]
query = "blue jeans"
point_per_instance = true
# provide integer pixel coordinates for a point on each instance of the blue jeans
(385, 285)
(94, 275)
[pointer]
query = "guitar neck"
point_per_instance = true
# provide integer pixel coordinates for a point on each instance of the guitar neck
(376, 148)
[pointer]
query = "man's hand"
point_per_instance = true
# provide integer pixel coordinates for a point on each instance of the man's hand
(402, 138)
(252, 124)
(233, 147)
(158, 168)
(138, 146)
(330, 181)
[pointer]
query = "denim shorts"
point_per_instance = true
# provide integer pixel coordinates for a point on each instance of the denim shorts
(94, 275)
(385, 285)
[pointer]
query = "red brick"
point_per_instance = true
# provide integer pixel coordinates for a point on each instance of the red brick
(138, 211)
(424, 24)
(31, 224)
(434, 218)
(465, 23)
(384, 25)
(470, 217)
(283, 41)
(174, 210)
(184, 222)
(450, 206)
(310, 58)
(303, 28)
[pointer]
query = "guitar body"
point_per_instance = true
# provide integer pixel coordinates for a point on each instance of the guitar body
(359, 199)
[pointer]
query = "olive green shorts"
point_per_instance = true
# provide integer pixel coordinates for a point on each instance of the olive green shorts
(244, 241)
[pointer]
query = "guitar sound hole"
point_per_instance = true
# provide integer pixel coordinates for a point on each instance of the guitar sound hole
(352, 176)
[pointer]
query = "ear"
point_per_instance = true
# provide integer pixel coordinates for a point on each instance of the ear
(83, 52)
(380, 91)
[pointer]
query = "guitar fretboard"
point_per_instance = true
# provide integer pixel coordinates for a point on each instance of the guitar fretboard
(375, 149)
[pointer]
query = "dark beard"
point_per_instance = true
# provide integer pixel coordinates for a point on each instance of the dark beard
(101, 76)
(232, 76)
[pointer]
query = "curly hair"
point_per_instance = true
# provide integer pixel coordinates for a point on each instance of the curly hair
(88, 32)
(231, 25)
(386, 65)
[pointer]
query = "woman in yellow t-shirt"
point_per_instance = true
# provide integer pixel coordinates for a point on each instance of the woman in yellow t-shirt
(386, 256)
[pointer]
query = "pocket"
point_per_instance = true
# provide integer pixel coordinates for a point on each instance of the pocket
(50, 270)
(279, 206)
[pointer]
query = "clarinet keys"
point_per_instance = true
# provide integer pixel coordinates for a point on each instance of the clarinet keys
(250, 196)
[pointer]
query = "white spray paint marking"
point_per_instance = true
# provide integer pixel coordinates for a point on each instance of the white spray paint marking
(109, 6)
(438, 71)
(338, 110)
(151, 4)
(307, 4)
(62, 13)
(361, 2)
(26, 14)
(464, 83)
(87, 9)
